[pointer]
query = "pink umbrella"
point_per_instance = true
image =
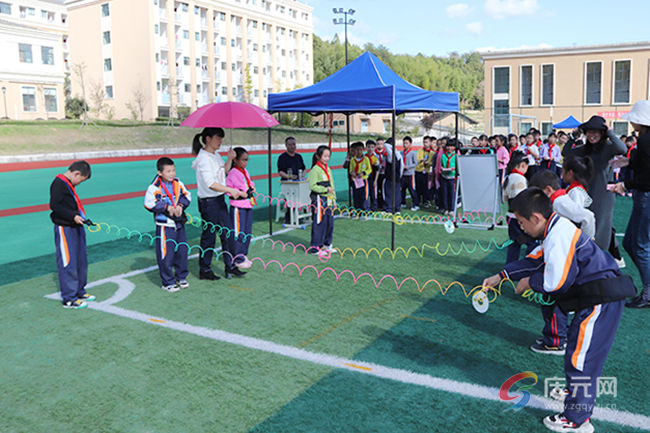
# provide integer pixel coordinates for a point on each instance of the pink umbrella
(230, 115)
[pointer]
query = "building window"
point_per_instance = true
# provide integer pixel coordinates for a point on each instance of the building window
(257, 93)
(502, 80)
(109, 92)
(186, 61)
(198, 88)
(25, 11)
(188, 88)
(108, 65)
(622, 81)
(254, 47)
(501, 113)
(5, 8)
(232, 43)
(593, 77)
(364, 125)
(548, 72)
(105, 10)
(158, 86)
(47, 55)
(29, 99)
(620, 128)
(184, 7)
(155, 28)
(222, 16)
(107, 36)
(223, 66)
(233, 67)
(197, 10)
(50, 100)
(255, 70)
(527, 85)
(547, 128)
(198, 62)
(524, 127)
(186, 34)
(197, 36)
(224, 91)
(223, 41)
(25, 53)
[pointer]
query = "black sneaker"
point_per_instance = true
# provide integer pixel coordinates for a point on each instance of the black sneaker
(637, 302)
(76, 304)
(548, 350)
(208, 275)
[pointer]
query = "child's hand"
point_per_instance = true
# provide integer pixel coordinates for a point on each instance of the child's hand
(492, 281)
(78, 219)
(522, 286)
(179, 210)
(171, 210)
(231, 154)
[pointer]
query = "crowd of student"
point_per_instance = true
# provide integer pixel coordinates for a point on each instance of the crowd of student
(560, 193)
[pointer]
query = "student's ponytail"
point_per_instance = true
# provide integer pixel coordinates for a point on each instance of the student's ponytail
(196, 144)
(318, 154)
(582, 167)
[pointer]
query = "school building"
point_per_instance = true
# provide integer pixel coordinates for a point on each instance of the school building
(156, 57)
(544, 86)
(34, 52)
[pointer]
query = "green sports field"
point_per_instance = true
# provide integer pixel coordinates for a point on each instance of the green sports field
(297, 345)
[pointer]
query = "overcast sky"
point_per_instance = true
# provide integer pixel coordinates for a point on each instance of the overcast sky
(434, 27)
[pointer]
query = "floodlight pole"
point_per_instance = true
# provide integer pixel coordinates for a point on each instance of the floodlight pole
(345, 21)
(4, 95)
(270, 184)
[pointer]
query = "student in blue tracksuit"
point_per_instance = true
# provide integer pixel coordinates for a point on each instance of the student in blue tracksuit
(68, 216)
(167, 198)
(580, 277)
(323, 202)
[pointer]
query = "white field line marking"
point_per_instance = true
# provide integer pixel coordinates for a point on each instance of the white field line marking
(463, 388)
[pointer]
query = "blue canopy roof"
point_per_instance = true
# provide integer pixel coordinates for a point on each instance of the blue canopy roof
(365, 85)
(568, 123)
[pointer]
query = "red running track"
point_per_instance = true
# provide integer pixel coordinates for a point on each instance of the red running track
(105, 198)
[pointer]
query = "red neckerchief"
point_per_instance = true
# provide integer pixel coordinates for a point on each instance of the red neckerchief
(358, 164)
(406, 152)
(248, 183)
(448, 159)
(381, 155)
(557, 193)
(514, 170)
(575, 184)
(550, 151)
(483, 151)
(80, 207)
(629, 152)
(325, 169)
(175, 190)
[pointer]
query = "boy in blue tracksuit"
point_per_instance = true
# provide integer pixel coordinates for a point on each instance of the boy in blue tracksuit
(68, 216)
(579, 277)
(167, 198)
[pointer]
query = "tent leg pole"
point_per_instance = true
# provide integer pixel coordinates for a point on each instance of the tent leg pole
(270, 185)
(393, 174)
(347, 124)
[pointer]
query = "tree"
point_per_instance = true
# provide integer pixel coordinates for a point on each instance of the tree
(138, 104)
(79, 69)
(96, 97)
(248, 83)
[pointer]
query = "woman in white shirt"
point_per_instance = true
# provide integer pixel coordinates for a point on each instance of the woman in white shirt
(211, 180)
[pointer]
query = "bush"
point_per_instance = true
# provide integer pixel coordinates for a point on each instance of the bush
(74, 108)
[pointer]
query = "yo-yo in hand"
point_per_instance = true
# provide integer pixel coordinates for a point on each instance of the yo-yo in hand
(491, 282)
(89, 222)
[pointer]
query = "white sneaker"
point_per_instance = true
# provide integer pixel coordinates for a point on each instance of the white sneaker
(561, 424)
(245, 264)
(620, 263)
(414, 208)
(183, 284)
(329, 248)
(172, 288)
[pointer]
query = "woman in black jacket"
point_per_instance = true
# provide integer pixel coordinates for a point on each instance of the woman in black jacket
(601, 145)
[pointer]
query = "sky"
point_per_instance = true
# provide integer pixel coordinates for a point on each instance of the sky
(435, 27)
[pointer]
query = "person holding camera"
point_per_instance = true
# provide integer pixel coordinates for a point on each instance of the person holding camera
(241, 209)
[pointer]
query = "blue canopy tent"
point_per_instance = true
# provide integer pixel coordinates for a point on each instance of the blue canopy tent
(568, 123)
(365, 85)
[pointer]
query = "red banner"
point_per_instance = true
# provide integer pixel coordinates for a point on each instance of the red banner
(612, 114)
